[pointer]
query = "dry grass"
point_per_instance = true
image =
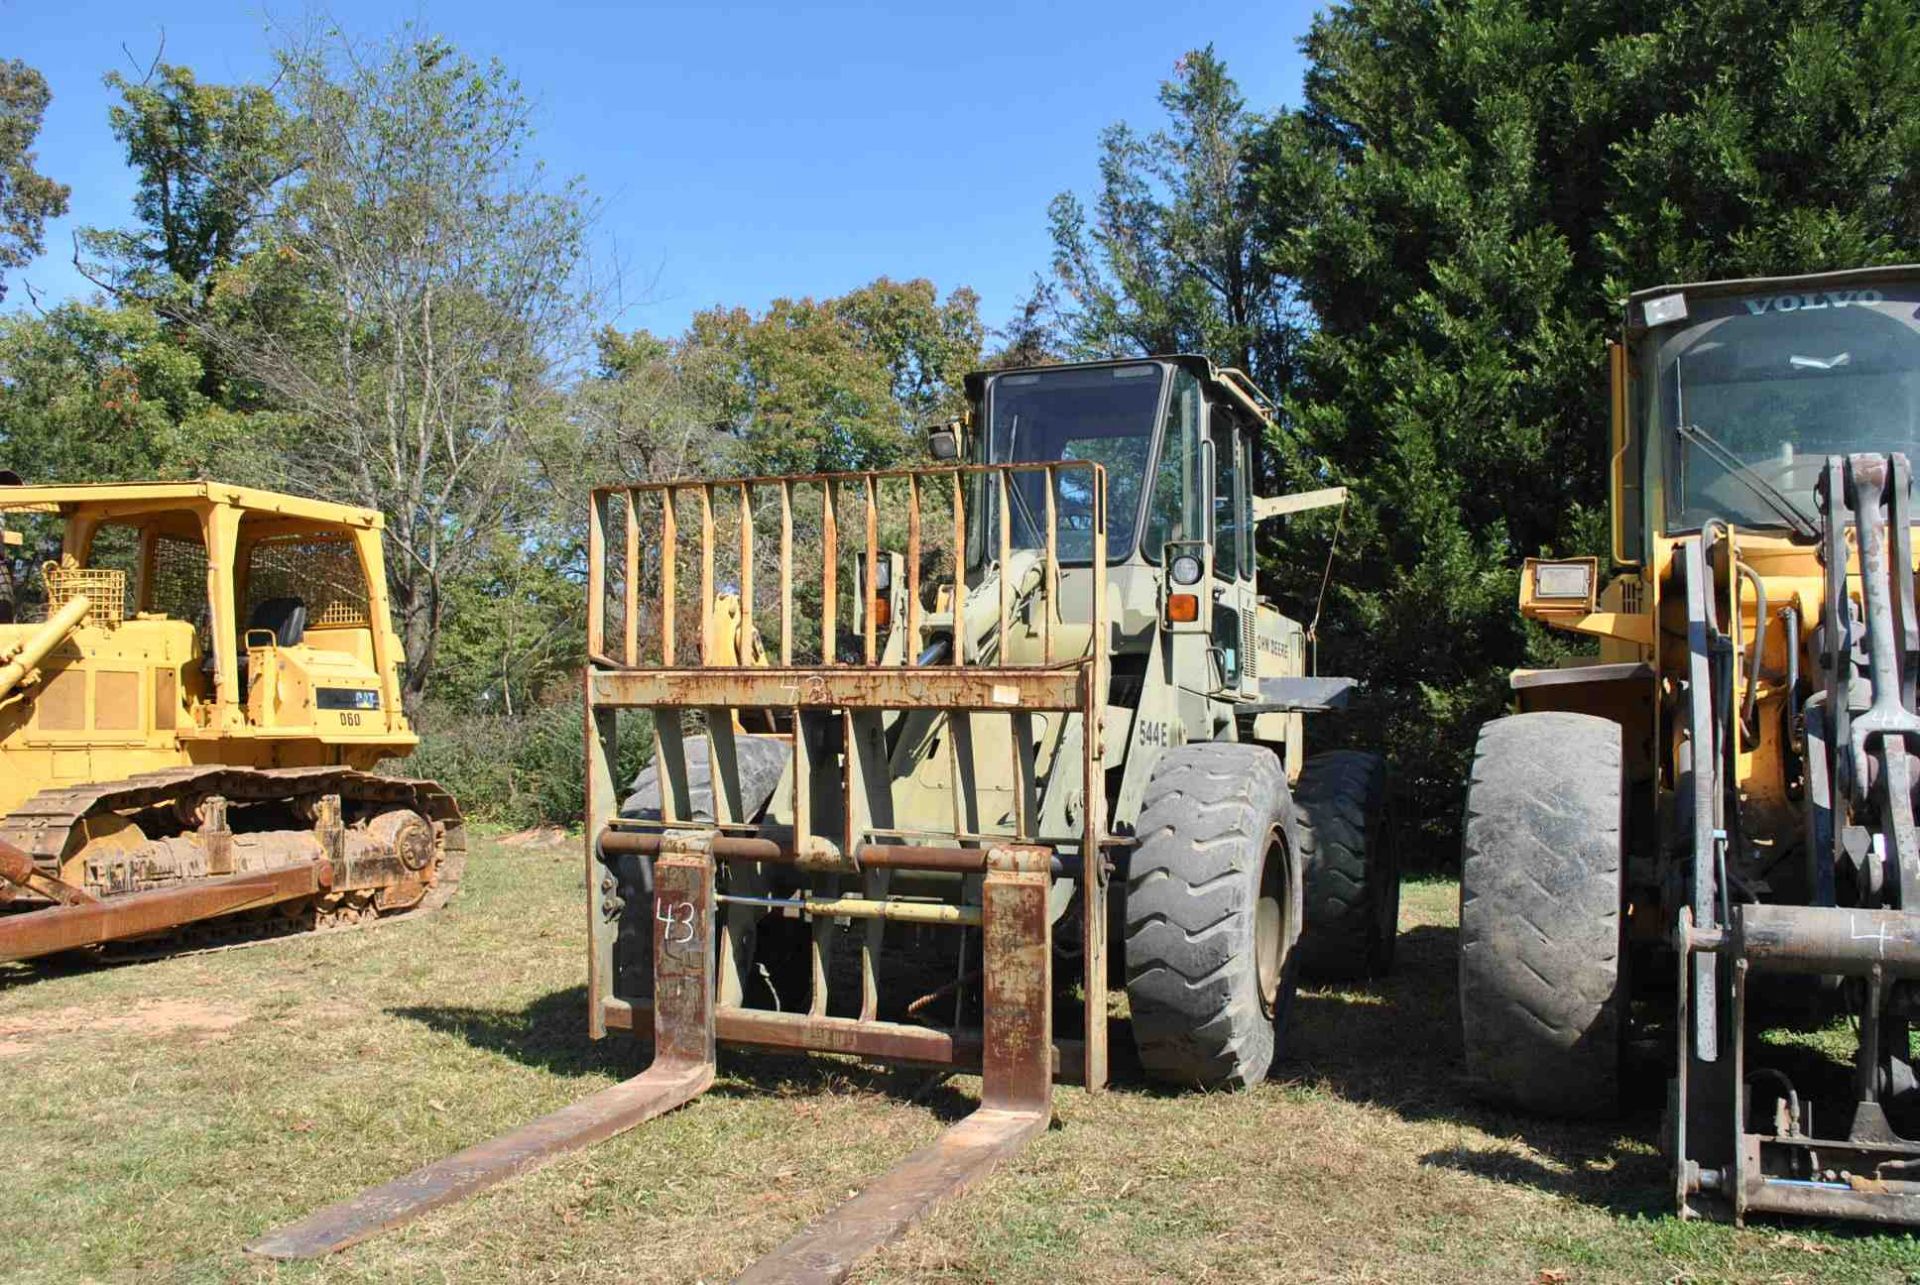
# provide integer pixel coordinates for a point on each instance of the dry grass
(155, 1117)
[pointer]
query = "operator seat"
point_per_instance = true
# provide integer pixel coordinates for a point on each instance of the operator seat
(285, 618)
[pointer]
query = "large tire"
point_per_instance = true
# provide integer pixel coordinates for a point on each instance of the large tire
(762, 759)
(1541, 1002)
(1213, 909)
(1352, 871)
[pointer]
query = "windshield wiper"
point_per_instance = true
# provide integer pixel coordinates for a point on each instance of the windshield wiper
(1776, 499)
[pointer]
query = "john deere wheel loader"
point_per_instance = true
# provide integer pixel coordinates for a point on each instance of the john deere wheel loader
(1708, 829)
(193, 695)
(949, 732)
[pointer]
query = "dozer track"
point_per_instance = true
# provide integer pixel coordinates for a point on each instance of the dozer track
(269, 903)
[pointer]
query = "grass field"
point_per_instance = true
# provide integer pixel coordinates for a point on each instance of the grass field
(154, 1117)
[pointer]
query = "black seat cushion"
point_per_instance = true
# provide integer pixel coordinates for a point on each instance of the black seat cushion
(286, 617)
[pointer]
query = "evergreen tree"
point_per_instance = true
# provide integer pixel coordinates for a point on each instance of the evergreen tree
(1463, 201)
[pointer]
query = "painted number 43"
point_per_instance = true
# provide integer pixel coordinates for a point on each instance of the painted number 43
(678, 918)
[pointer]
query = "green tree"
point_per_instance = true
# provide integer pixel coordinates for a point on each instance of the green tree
(811, 385)
(97, 393)
(415, 303)
(1462, 201)
(28, 198)
(207, 160)
(1170, 259)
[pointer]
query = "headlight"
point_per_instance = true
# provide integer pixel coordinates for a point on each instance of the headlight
(1186, 569)
(1562, 580)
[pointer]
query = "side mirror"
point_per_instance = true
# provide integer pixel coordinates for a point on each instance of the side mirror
(943, 441)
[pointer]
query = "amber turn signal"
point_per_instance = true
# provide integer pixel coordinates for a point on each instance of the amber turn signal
(1183, 608)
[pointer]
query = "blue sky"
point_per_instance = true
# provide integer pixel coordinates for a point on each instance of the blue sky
(740, 152)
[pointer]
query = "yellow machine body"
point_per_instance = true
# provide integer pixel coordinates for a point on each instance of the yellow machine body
(196, 682)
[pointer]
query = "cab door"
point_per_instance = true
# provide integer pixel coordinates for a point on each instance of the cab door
(1233, 595)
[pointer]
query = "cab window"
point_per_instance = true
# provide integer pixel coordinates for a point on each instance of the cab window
(1227, 527)
(1175, 482)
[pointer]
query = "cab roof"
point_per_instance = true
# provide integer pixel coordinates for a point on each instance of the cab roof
(126, 500)
(1761, 285)
(1223, 383)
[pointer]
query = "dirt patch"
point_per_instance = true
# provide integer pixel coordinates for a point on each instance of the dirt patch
(540, 836)
(154, 1018)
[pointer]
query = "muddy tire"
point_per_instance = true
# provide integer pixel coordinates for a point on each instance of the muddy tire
(1213, 909)
(1352, 871)
(1541, 1004)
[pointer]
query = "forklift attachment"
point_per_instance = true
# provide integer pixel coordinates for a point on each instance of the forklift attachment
(682, 1069)
(1016, 1092)
(1016, 1097)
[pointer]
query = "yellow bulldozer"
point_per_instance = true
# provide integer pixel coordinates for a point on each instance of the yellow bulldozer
(1704, 835)
(194, 691)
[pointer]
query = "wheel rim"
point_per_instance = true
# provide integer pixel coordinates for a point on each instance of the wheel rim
(1270, 927)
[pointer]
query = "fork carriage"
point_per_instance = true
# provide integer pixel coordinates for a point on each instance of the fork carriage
(911, 771)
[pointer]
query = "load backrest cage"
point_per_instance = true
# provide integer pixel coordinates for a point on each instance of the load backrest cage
(779, 548)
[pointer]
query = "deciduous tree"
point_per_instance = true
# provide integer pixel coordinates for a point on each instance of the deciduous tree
(28, 198)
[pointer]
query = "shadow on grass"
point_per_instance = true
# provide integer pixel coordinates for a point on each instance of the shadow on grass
(551, 1034)
(1395, 1042)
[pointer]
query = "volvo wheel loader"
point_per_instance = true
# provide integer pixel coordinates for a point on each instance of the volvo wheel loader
(958, 744)
(1702, 839)
(195, 688)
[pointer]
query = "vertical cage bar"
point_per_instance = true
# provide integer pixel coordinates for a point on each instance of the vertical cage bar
(871, 587)
(706, 574)
(830, 571)
(913, 569)
(669, 566)
(1093, 875)
(596, 574)
(959, 568)
(1051, 587)
(743, 645)
(1002, 497)
(631, 652)
(786, 572)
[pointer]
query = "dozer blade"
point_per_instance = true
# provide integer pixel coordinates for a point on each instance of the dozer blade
(1016, 1098)
(95, 922)
(682, 1069)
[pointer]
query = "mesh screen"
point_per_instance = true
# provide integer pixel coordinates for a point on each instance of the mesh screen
(179, 588)
(324, 574)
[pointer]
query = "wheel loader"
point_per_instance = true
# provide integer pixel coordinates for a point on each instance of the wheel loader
(196, 684)
(938, 752)
(1698, 845)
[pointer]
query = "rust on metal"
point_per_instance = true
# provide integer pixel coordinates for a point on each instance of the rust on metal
(682, 1069)
(1016, 1100)
(876, 1041)
(844, 687)
(139, 914)
(868, 856)
(1827, 939)
(17, 868)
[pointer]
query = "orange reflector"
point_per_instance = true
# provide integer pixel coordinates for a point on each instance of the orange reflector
(1183, 608)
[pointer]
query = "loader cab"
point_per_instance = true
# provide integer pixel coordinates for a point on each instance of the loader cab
(1728, 397)
(1179, 441)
